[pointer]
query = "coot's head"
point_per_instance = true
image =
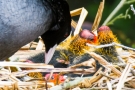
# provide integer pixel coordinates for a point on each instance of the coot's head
(61, 25)
(60, 28)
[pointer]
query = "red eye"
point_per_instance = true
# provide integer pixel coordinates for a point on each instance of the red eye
(66, 35)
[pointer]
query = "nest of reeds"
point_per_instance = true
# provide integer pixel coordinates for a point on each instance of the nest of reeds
(88, 67)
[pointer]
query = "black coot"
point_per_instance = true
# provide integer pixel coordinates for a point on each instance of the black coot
(22, 21)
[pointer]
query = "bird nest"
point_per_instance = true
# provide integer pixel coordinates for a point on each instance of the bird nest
(22, 74)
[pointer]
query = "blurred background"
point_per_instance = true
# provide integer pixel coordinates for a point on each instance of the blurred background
(124, 29)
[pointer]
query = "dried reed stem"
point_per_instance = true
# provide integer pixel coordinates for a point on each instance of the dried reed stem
(124, 76)
(98, 16)
(89, 81)
(104, 62)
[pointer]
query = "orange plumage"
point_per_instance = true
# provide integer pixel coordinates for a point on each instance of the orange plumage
(55, 78)
(106, 36)
(79, 42)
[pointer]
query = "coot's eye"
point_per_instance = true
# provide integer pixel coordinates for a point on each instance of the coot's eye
(66, 35)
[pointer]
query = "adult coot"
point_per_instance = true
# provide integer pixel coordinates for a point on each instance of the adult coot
(22, 21)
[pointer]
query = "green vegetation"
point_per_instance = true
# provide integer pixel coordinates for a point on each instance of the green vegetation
(122, 23)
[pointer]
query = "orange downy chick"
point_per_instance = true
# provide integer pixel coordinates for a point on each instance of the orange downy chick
(106, 36)
(55, 78)
(79, 42)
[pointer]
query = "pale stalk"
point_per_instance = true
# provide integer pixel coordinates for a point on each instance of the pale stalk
(122, 2)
